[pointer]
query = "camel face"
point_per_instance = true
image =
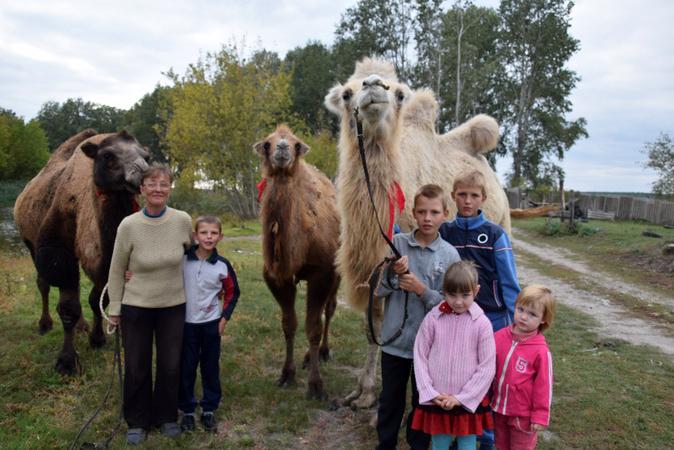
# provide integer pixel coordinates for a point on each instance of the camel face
(374, 90)
(119, 162)
(281, 150)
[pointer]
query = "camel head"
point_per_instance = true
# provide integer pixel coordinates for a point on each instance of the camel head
(280, 151)
(119, 162)
(375, 92)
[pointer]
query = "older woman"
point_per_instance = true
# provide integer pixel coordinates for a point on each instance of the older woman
(151, 305)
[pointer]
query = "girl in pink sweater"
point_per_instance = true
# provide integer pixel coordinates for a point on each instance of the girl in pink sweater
(454, 364)
(522, 390)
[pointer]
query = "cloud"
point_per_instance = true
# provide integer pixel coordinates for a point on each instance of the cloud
(114, 52)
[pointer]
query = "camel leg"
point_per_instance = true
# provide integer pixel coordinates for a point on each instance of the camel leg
(364, 396)
(97, 337)
(82, 325)
(69, 310)
(329, 310)
(46, 323)
(318, 299)
(284, 292)
(330, 306)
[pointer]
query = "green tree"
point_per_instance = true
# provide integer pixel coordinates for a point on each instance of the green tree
(536, 45)
(374, 27)
(312, 76)
(323, 152)
(61, 121)
(218, 109)
(460, 63)
(23, 147)
(661, 159)
(146, 122)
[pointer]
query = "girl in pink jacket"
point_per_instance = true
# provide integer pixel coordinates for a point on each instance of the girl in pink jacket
(454, 364)
(522, 389)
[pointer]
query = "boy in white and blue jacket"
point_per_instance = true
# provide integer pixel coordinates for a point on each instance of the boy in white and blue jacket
(207, 277)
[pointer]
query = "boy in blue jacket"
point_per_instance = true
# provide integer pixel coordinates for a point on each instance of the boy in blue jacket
(488, 246)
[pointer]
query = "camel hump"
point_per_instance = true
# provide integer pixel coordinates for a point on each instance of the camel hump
(421, 110)
(66, 150)
(374, 66)
(480, 134)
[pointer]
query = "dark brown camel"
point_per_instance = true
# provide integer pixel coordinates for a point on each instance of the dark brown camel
(68, 215)
(300, 231)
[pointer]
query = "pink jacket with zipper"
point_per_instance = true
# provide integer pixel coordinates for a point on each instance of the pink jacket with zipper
(523, 382)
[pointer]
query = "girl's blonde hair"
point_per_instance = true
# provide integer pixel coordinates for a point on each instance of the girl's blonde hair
(461, 277)
(535, 295)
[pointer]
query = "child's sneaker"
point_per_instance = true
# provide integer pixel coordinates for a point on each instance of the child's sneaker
(208, 421)
(188, 424)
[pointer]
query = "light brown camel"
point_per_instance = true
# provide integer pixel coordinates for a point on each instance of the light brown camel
(401, 148)
(300, 231)
(68, 215)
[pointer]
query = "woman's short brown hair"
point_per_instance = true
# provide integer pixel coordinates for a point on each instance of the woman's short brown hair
(157, 169)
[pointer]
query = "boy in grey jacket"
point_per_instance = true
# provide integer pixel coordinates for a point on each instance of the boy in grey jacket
(425, 258)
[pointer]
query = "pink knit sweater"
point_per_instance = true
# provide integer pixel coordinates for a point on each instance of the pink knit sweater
(454, 354)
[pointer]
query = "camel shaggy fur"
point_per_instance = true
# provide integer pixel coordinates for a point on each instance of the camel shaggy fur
(68, 215)
(401, 147)
(300, 231)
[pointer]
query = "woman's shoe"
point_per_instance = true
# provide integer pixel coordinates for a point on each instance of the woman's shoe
(170, 429)
(135, 436)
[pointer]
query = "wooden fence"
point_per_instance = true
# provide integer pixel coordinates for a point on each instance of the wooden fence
(625, 207)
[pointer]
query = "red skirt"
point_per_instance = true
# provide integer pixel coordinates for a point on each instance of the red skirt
(435, 420)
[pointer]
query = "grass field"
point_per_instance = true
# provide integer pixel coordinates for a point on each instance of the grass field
(608, 393)
(617, 247)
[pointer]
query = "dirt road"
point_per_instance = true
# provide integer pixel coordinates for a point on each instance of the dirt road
(615, 321)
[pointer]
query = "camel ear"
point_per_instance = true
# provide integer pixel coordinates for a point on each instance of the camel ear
(402, 93)
(301, 148)
(258, 148)
(333, 100)
(90, 149)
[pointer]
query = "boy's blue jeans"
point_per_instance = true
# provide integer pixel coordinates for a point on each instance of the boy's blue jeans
(201, 347)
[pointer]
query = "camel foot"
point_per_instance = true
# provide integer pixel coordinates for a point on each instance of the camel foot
(287, 378)
(45, 325)
(68, 364)
(315, 391)
(97, 339)
(373, 420)
(360, 399)
(324, 354)
(364, 401)
(82, 326)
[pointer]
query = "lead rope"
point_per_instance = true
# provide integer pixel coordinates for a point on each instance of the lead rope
(376, 273)
(116, 364)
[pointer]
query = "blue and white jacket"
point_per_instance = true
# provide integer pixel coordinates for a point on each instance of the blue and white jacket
(206, 281)
(488, 246)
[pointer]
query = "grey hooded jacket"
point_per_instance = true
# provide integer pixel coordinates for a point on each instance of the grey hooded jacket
(429, 264)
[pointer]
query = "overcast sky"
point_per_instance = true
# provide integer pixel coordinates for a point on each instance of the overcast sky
(114, 52)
